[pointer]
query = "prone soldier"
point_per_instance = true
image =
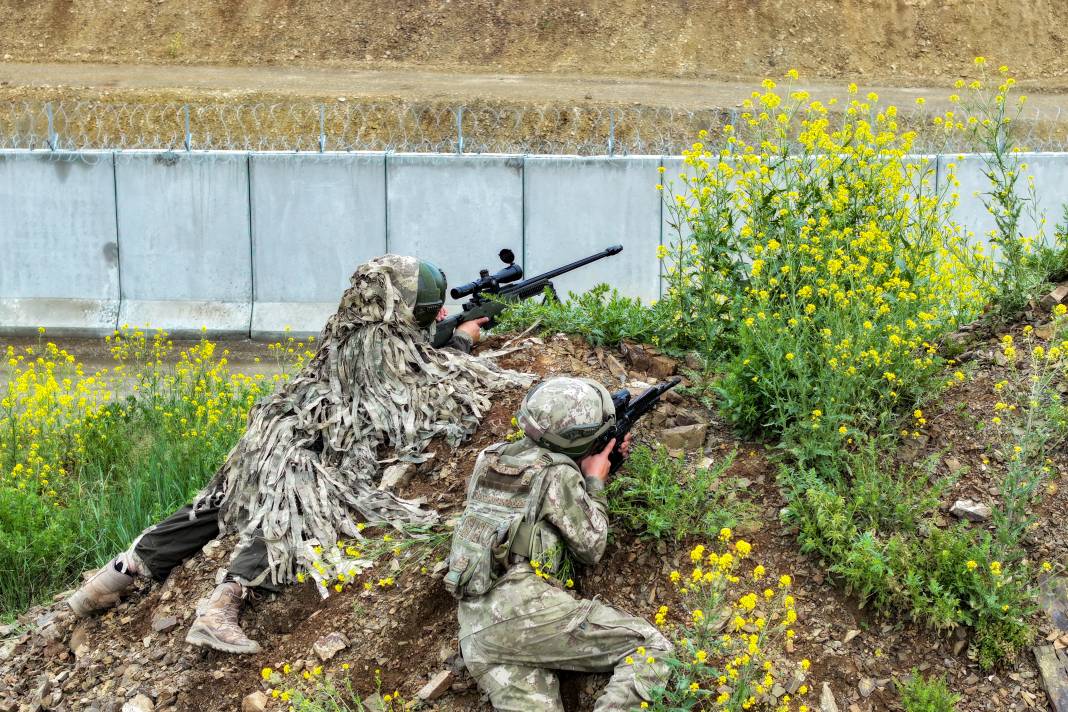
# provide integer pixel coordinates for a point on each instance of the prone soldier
(384, 319)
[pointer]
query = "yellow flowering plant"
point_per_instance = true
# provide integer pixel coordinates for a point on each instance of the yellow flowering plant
(316, 690)
(733, 633)
(88, 459)
(1020, 259)
(839, 257)
(1030, 419)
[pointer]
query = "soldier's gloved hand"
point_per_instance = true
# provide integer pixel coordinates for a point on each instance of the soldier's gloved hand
(597, 465)
(473, 328)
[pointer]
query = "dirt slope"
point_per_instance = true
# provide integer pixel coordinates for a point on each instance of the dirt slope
(49, 661)
(893, 40)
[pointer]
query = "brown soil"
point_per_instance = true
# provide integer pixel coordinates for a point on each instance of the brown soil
(408, 631)
(899, 41)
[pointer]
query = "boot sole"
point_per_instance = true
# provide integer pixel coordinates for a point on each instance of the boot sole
(204, 639)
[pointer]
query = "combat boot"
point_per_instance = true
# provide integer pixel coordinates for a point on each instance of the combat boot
(105, 588)
(216, 623)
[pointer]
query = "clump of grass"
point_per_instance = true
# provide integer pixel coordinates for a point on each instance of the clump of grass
(919, 694)
(601, 315)
(658, 496)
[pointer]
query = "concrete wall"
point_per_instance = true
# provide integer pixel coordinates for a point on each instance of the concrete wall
(578, 206)
(185, 241)
(456, 211)
(59, 260)
(1050, 173)
(250, 243)
(313, 220)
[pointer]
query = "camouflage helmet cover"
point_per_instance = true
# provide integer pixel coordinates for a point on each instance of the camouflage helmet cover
(430, 293)
(567, 415)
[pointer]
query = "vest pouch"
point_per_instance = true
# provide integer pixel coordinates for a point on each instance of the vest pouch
(471, 558)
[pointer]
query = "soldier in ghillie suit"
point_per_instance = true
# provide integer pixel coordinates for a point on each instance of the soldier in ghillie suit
(304, 473)
(526, 502)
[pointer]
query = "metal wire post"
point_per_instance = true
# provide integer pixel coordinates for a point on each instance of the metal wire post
(53, 137)
(188, 133)
(460, 130)
(611, 132)
(322, 128)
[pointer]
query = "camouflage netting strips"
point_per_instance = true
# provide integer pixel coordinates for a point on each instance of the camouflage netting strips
(304, 473)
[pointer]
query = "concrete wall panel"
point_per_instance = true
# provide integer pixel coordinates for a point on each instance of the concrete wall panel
(58, 251)
(579, 206)
(185, 241)
(1050, 173)
(457, 211)
(314, 219)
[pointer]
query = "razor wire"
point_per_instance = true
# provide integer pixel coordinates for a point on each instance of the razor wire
(419, 128)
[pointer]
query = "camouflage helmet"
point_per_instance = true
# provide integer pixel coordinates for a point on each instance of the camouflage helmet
(430, 293)
(567, 415)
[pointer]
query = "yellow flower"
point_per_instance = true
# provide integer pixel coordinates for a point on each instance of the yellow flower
(266, 673)
(971, 565)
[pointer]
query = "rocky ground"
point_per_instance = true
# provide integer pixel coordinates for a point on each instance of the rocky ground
(134, 659)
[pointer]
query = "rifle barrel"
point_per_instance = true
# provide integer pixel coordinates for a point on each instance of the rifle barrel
(613, 250)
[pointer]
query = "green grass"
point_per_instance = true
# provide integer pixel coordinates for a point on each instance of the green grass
(601, 315)
(919, 694)
(657, 496)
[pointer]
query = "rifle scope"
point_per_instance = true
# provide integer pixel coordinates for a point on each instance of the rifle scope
(490, 282)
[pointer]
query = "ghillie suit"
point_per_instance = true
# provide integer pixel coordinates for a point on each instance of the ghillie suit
(304, 473)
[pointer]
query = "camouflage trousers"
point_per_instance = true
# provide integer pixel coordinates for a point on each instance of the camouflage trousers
(524, 628)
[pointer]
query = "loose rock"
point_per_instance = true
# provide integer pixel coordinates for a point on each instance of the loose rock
(164, 624)
(141, 703)
(972, 511)
(1057, 296)
(827, 701)
(685, 438)
(397, 476)
(437, 686)
(329, 645)
(256, 702)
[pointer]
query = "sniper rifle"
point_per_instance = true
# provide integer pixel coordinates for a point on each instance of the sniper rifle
(491, 294)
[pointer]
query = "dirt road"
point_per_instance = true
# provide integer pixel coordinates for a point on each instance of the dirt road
(288, 83)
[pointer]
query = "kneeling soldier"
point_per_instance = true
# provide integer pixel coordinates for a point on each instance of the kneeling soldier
(526, 502)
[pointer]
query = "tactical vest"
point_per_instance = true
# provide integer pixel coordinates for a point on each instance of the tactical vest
(501, 518)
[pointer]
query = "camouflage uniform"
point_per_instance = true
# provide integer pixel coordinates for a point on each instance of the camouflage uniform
(523, 627)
